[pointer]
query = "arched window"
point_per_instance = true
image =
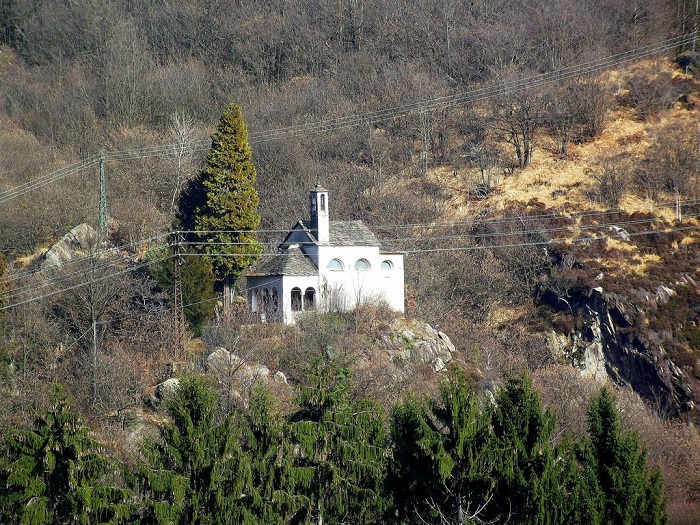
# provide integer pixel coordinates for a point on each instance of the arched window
(310, 299)
(274, 301)
(296, 299)
(336, 264)
(257, 301)
(323, 202)
(387, 265)
(362, 265)
(265, 300)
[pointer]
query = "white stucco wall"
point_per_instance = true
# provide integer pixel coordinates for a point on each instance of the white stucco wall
(336, 289)
(363, 285)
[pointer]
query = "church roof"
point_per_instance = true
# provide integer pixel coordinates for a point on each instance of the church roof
(351, 233)
(342, 233)
(290, 262)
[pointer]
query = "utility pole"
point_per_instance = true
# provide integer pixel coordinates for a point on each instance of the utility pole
(102, 215)
(178, 307)
(424, 143)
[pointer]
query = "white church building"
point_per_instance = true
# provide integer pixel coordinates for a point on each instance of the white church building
(326, 265)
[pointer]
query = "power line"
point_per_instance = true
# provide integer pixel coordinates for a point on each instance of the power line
(577, 240)
(86, 283)
(494, 89)
(78, 260)
(105, 264)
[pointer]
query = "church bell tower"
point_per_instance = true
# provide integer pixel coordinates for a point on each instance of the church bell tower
(319, 214)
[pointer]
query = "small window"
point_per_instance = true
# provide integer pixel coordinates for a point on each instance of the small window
(336, 264)
(257, 301)
(362, 265)
(274, 302)
(296, 299)
(323, 202)
(387, 265)
(309, 299)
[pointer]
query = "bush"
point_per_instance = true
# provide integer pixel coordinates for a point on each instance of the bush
(651, 91)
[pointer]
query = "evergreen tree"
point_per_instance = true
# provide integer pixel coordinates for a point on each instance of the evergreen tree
(197, 473)
(341, 448)
(268, 501)
(580, 501)
(197, 287)
(221, 202)
(55, 473)
(632, 494)
(441, 470)
(531, 476)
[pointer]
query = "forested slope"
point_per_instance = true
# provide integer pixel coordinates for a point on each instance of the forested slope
(536, 160)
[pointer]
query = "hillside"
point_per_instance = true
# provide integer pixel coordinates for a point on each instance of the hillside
(550, 221)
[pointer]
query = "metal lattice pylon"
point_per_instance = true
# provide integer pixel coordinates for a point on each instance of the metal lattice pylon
(178, 306)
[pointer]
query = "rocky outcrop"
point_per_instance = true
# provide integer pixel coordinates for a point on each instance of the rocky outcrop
(222, 362)
(76, 243)
(416, 342)
(166, 390)
(614, 344)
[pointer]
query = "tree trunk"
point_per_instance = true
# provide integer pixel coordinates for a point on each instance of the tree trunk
(94, 359)
(227, 295)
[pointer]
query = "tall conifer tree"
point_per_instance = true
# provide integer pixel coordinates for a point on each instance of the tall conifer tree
(341, 450)
(196, 474)
(55, 473)
(632, 493)
(221, 203)
(530, 478)
(442, 465)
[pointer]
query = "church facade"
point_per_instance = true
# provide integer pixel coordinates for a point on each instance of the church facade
(325, 265)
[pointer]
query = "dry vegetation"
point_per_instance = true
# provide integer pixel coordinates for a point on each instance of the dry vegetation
(528, 238)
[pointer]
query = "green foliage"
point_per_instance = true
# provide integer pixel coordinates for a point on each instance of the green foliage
(341, 450)
(222, 201)
(268, 500)
(188, 477)
(55, 474)
(215, 469)
(441, 470)
(632, 494)
(535, 480)
(197, 288)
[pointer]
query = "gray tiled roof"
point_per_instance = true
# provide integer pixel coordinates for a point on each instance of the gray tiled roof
(289, 262)
(351, 233)
(347, 233)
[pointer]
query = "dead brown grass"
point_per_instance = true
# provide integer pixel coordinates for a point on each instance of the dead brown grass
(563, 182)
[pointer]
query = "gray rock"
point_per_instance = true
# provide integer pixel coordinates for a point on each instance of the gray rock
(415, 342)
(76, 243)
(166, 390)
(221, 360)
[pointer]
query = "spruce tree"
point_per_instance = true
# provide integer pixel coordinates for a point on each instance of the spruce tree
(196, 474)
(197, 287)
(441, 469)
(221, 203)
(632, 493)
(270, 497)
(340, 447)
(56, 473)
(524, 471)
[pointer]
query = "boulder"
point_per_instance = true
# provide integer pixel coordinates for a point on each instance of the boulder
(166, 390)
(221, 360)
(76, 243)
(413, 341)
